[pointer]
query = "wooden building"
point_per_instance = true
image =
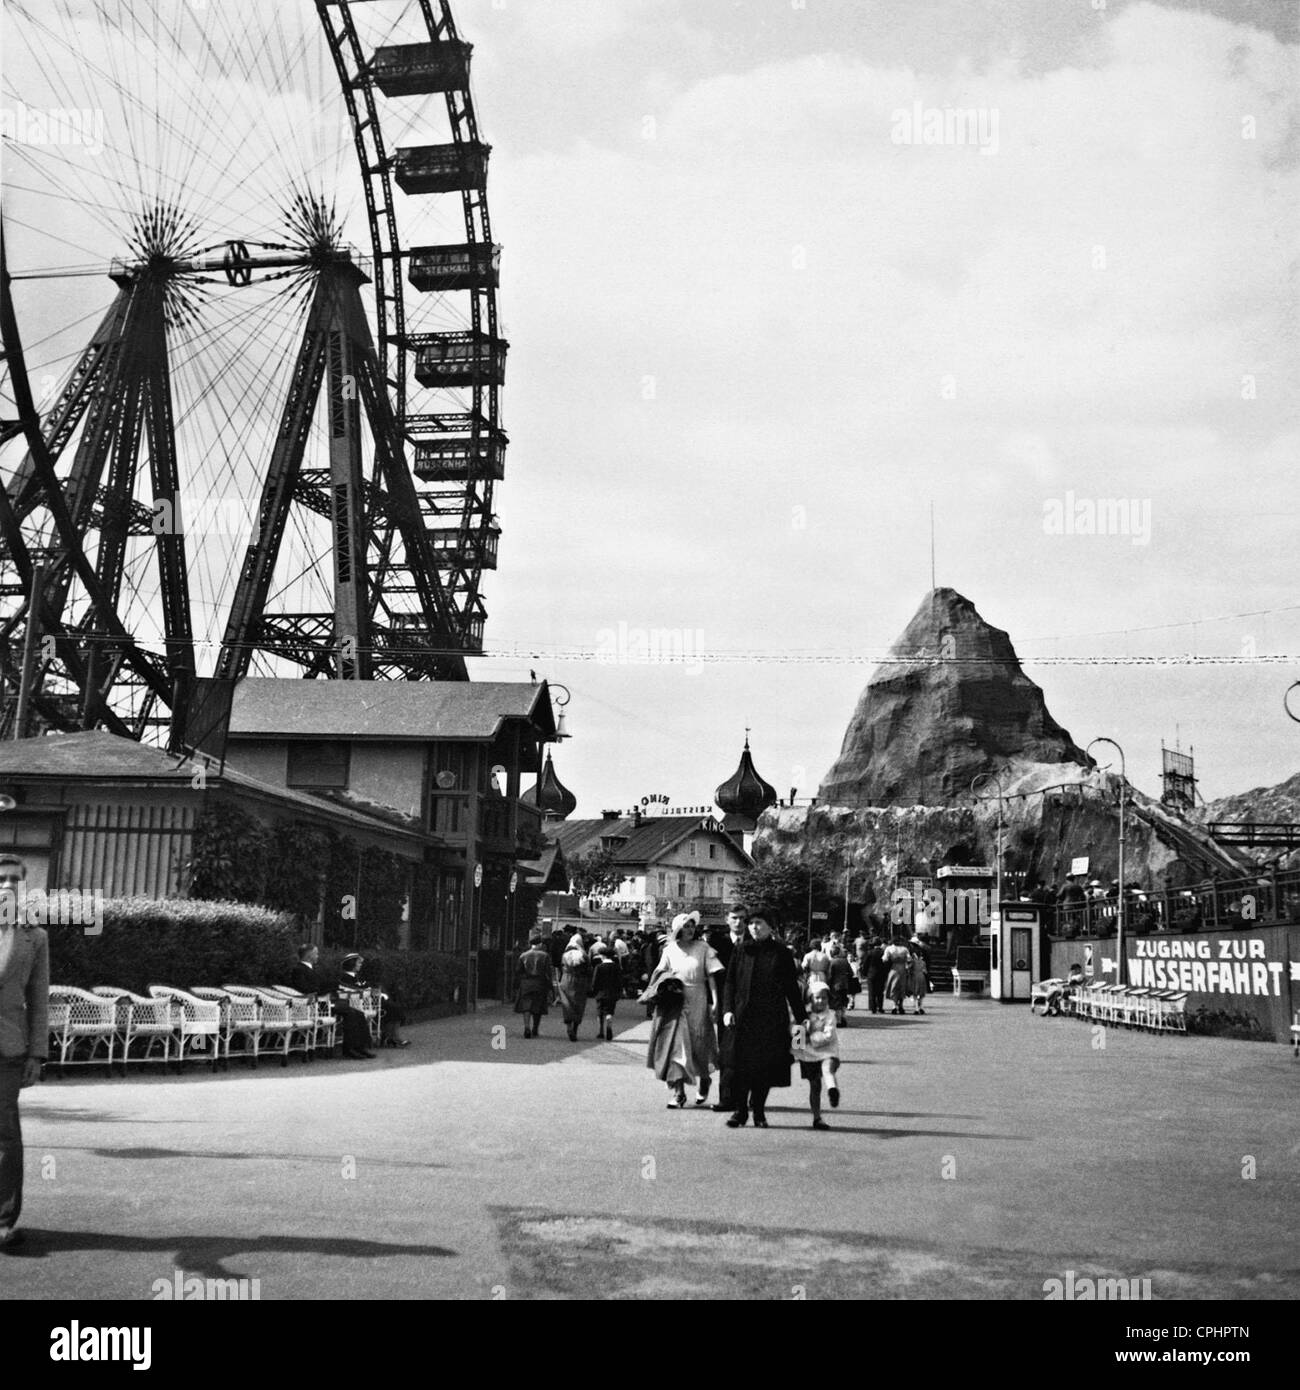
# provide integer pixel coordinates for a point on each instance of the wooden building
(428, 772)
(446, 755)
(669, 864)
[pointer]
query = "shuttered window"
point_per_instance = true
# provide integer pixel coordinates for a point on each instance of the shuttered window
(318, 764)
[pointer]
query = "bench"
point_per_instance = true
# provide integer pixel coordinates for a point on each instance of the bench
(973, 982)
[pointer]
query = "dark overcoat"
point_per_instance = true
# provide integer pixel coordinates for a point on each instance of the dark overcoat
(762, 990)
(535, 982)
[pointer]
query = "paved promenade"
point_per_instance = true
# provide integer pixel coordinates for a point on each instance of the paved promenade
(978, 1152)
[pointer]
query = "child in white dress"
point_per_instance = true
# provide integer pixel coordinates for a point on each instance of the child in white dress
(817, 1051)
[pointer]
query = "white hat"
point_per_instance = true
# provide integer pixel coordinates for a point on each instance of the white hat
(683, 919)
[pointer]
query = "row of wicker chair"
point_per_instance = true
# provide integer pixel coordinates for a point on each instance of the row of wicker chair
(1130, 1006)
(109, 1027)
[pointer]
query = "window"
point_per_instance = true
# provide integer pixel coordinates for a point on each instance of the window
(318, 765)
(450, 930)
(663, 885)
(681, 885)
(692, 849)
(713, 851)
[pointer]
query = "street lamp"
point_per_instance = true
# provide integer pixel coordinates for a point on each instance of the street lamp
(996, 779)
(560, 732)
(1122, 966)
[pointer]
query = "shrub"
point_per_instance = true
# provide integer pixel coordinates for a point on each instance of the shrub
(1225, 1023)
(186, 942)
(175, 941)
(415, 979)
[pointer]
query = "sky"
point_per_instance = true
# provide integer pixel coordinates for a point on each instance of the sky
(767, 306)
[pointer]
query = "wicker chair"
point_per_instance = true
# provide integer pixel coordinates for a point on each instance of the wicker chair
(302, 1014)
(197, 1024)
(81, 1022)
(281, 1032)
(240, 1019)
(317, 1014)
(141, 1020)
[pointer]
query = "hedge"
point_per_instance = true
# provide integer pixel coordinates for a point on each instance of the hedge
(186, 941)
(416, 979)
(175, 941)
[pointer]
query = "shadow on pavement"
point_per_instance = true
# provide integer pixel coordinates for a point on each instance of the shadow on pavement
(203, 1255)
(904, 1133)
(150, 1154)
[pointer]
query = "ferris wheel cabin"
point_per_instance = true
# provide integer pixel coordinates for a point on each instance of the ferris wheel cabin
(458, 459)
(421, 69)
(442, 168)
(459, 359)
(457, 550)
(471, 267)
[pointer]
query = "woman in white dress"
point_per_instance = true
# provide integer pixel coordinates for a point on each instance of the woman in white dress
(683, 1043)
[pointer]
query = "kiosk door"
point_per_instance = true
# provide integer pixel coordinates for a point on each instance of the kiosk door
(1020, 960)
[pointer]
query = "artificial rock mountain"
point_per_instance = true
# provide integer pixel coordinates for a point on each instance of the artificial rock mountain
(949, 703)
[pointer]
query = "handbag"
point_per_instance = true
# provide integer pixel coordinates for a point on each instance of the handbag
(667, 994)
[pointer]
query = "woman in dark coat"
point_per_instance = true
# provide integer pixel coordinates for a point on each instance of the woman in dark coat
(534, 985)
(575, 980)
(761, 993)
(841, 981)
(606, 988)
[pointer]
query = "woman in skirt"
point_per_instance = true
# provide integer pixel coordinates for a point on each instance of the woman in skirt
(575, 981)
(683, 1042)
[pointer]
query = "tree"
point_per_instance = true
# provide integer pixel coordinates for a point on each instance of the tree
(594, 873)
(779, 888)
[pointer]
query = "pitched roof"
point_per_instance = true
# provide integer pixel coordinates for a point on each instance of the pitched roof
(548, 870)
(98, 756)
(388, 710)
(92, 753)
(573, 836)
(645, 842)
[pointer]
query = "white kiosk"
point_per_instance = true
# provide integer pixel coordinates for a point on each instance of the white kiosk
(1016, 964)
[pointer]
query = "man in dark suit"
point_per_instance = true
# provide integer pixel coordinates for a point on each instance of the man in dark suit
(725, 944)
(24, 1033)
(304, 977)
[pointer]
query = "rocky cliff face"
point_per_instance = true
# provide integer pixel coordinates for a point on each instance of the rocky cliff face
(1051, 815)
(949, 703)
(1279, 804)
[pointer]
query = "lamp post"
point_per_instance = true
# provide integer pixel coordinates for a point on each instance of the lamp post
(560, 732)
(1122, 964)
(996, 779)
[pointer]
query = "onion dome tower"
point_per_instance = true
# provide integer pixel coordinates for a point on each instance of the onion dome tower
(550, 795)
(744, 796)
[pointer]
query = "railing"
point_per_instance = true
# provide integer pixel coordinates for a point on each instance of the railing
(1261, 899)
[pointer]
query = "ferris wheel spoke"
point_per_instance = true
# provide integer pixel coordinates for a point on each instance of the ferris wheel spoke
(274, 128)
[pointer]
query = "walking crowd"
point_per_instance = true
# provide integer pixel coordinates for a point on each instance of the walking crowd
(736, 1001)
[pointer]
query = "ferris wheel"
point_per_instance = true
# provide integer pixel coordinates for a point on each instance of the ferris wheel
(250, 420)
